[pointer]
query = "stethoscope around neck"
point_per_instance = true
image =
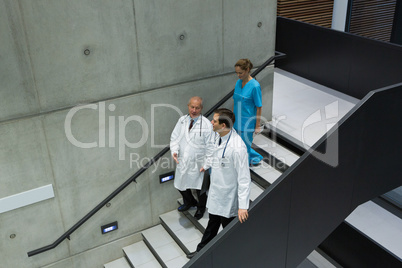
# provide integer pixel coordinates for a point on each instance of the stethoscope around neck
(188, 115)
(224, 149)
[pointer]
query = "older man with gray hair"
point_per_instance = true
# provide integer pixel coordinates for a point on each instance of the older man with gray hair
(188, 144)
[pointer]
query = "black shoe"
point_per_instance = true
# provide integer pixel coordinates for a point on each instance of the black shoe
(255, 164)
(184, 207)
(199, 213)
(191, 254)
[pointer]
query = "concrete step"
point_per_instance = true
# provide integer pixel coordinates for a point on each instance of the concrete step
(266, 172)
(275, 149)
(318, 260)
(164, 248)
(119, 263)
(139, 255)
(255, 191)
(379, 225)
(182, 230)
(202, 223)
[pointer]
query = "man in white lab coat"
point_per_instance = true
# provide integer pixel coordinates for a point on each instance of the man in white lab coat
(188, 144)
(229, 191)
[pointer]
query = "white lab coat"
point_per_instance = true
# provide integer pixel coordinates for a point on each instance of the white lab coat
(230, 184)
(191, 149)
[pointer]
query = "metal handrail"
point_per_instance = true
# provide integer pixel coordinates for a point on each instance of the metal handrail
(278, 55)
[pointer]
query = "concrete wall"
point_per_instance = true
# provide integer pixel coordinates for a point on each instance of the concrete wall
(140, 53)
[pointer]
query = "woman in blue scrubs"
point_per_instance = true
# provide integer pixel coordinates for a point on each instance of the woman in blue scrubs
(247, 107)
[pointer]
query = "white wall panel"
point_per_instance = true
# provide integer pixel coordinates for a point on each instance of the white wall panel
(26, 198)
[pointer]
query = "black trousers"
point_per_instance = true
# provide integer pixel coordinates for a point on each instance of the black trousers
(212, 229)
(188, 198)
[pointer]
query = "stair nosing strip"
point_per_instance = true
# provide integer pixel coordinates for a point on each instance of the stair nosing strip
(174, 236)
(260, 181)
(153, 251)
(193, 220)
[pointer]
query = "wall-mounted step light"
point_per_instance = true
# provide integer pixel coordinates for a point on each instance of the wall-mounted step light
(166, 177)
(109, 227)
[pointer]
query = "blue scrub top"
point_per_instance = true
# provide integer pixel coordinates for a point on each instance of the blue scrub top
(246, 100)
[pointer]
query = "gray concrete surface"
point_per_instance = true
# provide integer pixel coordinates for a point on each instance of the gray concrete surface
(137, 62)
(18, 94)
(58, 33)
(243, 38)
(178, 40)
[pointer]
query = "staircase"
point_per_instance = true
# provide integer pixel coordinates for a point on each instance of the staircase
(168, 243)
(277, 160)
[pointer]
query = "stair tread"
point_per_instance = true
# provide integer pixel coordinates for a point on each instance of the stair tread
(255, 191)
(319, 261)
(275, 149)
(183, 228)
(379, 225)
(177, 262)
(267, 173)
(204, 220)
(119, 263)
(151, 264)
(164, 245)
(139, 254)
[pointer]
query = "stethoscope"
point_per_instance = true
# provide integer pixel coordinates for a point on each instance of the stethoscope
(188, 115)
(224, 149)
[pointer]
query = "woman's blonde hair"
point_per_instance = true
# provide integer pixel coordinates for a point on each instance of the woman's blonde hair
(244, 64)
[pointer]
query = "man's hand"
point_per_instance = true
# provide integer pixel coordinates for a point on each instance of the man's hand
(175, 157)
(243, 215)
(202, 169)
